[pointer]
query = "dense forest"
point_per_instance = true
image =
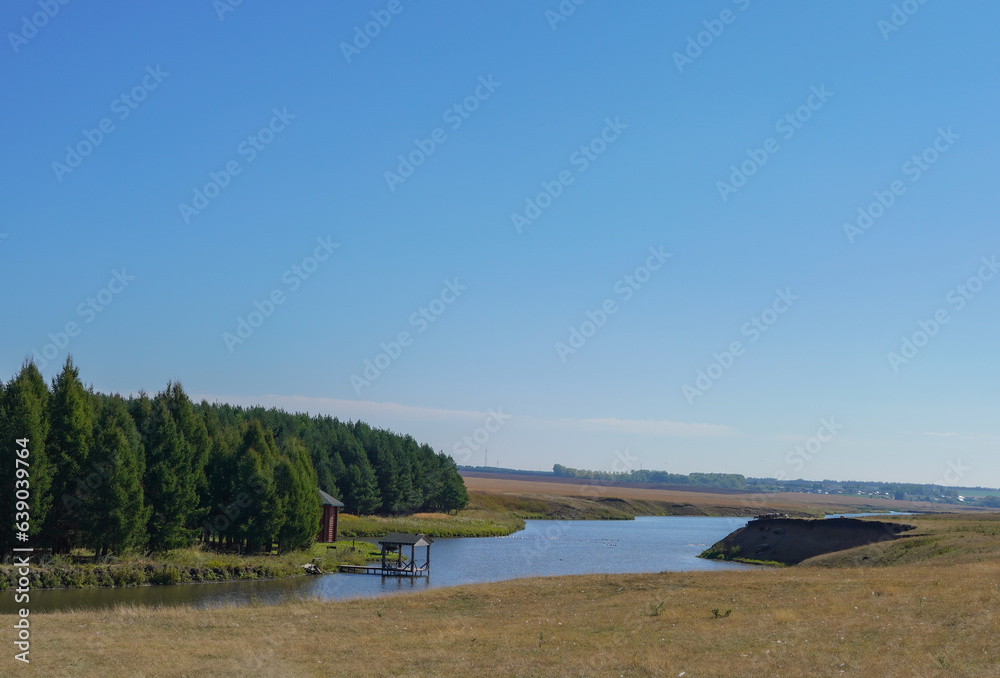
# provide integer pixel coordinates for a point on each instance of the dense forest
(155, 473)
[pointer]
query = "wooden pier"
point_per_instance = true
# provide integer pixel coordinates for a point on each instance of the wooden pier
(392, 545)
(385, 572)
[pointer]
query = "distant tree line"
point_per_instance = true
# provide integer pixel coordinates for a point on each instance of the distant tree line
(733, 481)
(895, 491)
(156, 473)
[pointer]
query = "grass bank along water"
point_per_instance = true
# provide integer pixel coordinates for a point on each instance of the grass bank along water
(946, 538)
(494, 514)
(790, 540)
(183, 566)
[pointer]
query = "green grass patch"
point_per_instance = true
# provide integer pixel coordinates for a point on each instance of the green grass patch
(467, 523)
(183, 566)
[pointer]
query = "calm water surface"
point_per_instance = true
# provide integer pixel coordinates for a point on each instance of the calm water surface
(544, 547)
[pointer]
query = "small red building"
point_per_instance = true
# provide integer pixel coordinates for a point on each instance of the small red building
(328, 524)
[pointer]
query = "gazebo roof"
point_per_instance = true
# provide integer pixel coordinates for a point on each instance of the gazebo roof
(327, 500)
(401, 538)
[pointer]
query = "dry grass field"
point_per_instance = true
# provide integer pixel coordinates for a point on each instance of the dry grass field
(716, 503)
(925, 605)
(913, 620)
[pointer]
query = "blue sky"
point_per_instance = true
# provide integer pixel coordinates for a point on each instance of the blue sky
(346, 192)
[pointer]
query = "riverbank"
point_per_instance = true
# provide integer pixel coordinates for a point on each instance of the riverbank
(792, 621)
(497, 514)
(789, 541)
(476, 520)
(185, 566)
(916, 539)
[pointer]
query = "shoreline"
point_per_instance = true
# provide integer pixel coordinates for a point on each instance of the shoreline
(490, 514)
(641, 625)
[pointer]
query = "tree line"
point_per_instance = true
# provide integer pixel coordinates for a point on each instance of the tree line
(733, 481)
(151, 474)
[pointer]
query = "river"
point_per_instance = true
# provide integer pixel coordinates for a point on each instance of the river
(543, 548)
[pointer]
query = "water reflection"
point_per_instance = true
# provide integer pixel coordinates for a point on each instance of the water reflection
(544, 547)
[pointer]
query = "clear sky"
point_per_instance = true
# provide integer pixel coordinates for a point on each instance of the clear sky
(256, 199)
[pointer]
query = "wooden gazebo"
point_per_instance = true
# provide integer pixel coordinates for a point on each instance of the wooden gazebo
(394, 543)
(392, 550)
(328, 524)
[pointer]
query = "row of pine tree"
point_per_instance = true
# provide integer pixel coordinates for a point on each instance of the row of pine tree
(150, 474)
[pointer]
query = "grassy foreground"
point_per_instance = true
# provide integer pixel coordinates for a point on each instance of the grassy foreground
(924, 605)
(912, 620)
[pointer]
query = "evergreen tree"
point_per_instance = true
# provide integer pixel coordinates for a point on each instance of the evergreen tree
(70, 438)
(192, 427)
(386, 475)
(453, 495)
(296, 484)
(409, 496)
(338, 469)
(115, 512)
(221, 485)
(261, 519)
(25, 405)
(168, 484)
(361, 497)
(209, 467)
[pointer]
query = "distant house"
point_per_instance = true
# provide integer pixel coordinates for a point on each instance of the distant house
(328, 524)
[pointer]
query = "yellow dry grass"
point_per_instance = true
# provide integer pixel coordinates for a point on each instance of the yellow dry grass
(931, 613)
(914, 621)
(833, 503)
